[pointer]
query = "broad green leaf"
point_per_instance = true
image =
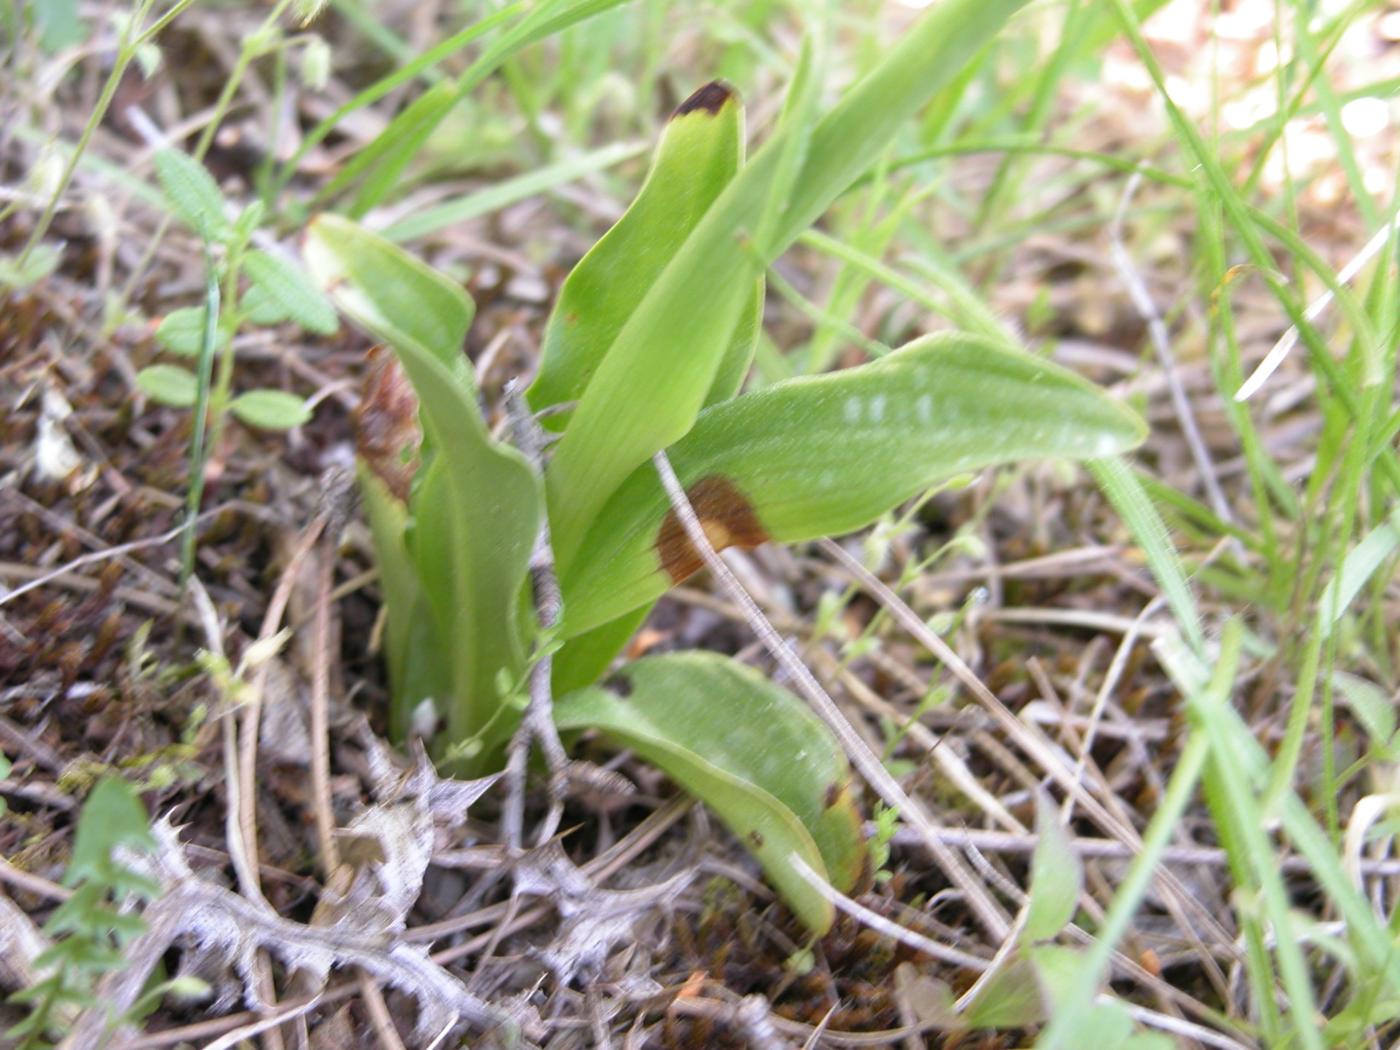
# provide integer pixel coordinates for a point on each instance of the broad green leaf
(413, 649)
(780, 781)
(700, 150)
(477, 507)
(169, 385)
(1056, 877)
(656, 377)
(824, 455)
(289, 288)
(582, 660)
(390, 293)
(112, 816)
(270, 409)
(192, 192)
(182, 332)
(261, 309)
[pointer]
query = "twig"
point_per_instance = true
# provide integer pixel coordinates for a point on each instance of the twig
(238, 1035)
(880, 924)
(988, 912)
(1026, 737)
(243, 853)
(251, 713)
(537, 724)
(1161, 342)
(103, 555)
(320, 708)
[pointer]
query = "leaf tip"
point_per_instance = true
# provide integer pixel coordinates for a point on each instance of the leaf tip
(710, 99)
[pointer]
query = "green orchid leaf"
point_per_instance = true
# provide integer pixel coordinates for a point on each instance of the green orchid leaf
(749, 750)
(390, 293)
(582, 660)
(700, 150)
(169, 385)
(270, 409)
(286, 285)
(825, 455)
(477, 507)
(413, 645)
(658, 373)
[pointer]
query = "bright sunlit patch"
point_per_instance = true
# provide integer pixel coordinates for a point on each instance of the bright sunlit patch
(1365, 117)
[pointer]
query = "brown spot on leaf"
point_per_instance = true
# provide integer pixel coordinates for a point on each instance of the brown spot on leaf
(755, 839)
(710, 98)
(387, 433)
(727, 517)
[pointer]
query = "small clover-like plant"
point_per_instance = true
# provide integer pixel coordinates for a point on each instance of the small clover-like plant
(90, 927)
(256, 287)
(646, 349)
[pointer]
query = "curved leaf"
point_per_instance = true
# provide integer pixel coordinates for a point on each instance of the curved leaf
(388, 292)
(182, 332)
(270, 409)
(582, 660)
(701, 148)
(169, 384)
(824, 455)
(658, 374)
(477, 506)
(782, 786)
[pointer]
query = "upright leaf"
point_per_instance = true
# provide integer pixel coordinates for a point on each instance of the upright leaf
(658, 374)
(784, 787)
(700, 150)
(477, 508)
(414, 645)
(824, 455)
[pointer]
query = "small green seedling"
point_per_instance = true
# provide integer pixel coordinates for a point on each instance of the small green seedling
(256, 287)
(646, 349)
(91, 931)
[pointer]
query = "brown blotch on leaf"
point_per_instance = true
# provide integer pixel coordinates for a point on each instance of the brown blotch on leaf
(710, 98)
(387, 432)
(725, 514)
(756, 839)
